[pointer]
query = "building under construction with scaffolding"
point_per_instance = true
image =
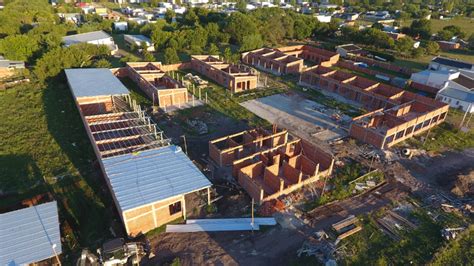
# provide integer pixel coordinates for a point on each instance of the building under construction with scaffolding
(147, 176)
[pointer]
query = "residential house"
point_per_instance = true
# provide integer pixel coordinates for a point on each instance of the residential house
(94, 37)
(139, 41)
(459, 92)
(120, 26)
(346, 50)
(444, 63)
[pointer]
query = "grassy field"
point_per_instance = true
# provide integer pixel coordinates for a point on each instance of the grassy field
(446, 136)
(421, 63)
(466, 24)
(44, 149)
(372, 247)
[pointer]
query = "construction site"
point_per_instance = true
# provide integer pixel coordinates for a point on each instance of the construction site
(396, 114)
(270, 164)
(148, 177)
(282, 183)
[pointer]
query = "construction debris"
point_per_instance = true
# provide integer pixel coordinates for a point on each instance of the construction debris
(451, 233)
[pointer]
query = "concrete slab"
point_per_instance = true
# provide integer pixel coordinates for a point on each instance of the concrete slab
(307, 119)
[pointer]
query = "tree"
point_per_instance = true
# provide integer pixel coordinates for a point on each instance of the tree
(432, 48)
(240, 25)
(445, 35)
(147, 56)
(190, 18)
(169, 15)
(378, 26)
(227, 54)
(251, 42)
(471, 42)
(404, 45)
(418, 52)
(455, 30)
(420, 27)
(171, 56)
(18, 47)
(212, 49)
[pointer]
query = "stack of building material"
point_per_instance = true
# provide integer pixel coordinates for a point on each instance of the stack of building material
(217, 225)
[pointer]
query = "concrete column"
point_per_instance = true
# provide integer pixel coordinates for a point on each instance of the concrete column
(208, 196)
(183, 200)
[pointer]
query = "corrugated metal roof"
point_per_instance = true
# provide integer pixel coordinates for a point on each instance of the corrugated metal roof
(458, 94)
(152, 175)
(452, 62)
(85, 37)
(87, 82)
(27, 235)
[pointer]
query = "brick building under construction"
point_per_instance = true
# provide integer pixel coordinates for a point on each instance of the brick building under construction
(395, 114)
(156, 84)
(270, 164)
(148, 177)
(289, 59)
(234, 77)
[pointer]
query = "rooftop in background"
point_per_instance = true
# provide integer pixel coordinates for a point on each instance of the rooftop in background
(152, 175)
(452, 62)
(27, 235)
(85, 37)
(457, 94)
(138, 38)
(89, 82)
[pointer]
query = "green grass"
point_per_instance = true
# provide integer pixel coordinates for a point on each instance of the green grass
(223, 101)
(341, 184)
(44, 149)
(457, 252)
(466, 24)
(445, 136)
(372, 247)
(314, 95)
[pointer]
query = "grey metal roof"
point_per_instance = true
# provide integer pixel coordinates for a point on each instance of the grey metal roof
(458, 94)
(138, 38)
(152, 175)
(27, 235)
(85, 37)
(452, 62)
(87, 82)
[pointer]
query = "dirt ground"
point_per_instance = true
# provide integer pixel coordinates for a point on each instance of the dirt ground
(274, 246)
(442, 171)
(174, 126)
(306, 119)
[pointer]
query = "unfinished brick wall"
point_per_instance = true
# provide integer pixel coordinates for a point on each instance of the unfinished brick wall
(236, 78)
(146, 218)
(270, 165)
(273, 61)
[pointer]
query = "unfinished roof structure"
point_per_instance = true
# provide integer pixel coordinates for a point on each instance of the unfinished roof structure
(270, 164)
(147, 176)
(273, 61)
(30, 235)
(159, 86)
(312, 54)
(396, 114)
(234, 77)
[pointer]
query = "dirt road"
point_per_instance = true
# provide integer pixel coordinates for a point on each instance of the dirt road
(277, 246)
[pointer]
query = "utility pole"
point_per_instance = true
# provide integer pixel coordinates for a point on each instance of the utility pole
(252, 222)
(56, 254)
(185, 145)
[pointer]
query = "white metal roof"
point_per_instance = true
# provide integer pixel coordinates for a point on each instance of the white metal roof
(152, 175)
(27, 235)
(85, 37)
(89, 82)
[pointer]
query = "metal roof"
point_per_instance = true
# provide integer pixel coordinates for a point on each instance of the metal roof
(138, 38)
(452, 62)
(467, 96)
(152, 175)
(85, 37)
(27, 235)
(89, 82)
